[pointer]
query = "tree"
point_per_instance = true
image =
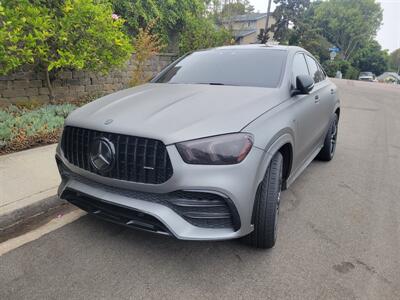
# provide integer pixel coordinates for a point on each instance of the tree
(236, 7)
(371, 58)
(185, 25)
(172, 15)
(304, 34)
(288, 12)
(146, 45)
(310, 39)
(348, 24)
(394, 61)
(263, 36)
(51, 35)
(213, 9)
(295, 26)
(201, 33)
(137, 13)
(24, 31)
(318, 25)
(345, 67)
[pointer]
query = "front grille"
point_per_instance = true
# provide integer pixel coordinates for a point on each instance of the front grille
(137, 159)
(114, 213)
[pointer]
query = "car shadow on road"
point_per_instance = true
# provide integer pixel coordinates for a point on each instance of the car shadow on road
(156, 246)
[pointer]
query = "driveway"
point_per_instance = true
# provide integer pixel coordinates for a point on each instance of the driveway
(339, 234)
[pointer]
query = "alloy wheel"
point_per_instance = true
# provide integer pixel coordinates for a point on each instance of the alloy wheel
(334, 131)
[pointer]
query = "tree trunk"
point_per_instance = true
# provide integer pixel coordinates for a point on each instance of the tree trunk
(267, 22)
(49, 85)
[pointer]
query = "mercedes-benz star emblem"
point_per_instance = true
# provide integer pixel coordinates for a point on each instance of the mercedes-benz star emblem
(102, 154)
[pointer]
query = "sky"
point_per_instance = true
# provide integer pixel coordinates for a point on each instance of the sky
(389, 33)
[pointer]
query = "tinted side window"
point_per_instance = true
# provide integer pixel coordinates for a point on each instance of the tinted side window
(321, 73)
(299, 67)
(315, 72)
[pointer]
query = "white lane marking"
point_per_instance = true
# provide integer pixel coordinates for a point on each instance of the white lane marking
(52, 225)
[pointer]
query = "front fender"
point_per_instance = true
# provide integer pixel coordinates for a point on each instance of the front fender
(271, 148)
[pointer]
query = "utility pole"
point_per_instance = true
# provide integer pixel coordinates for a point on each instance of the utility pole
(267, 21)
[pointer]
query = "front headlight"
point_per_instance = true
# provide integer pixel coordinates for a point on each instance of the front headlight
(225, 149)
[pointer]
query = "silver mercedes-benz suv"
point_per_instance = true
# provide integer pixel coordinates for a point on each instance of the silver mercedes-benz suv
(203, 151)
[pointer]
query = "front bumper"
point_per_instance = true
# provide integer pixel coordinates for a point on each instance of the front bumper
(238, 183)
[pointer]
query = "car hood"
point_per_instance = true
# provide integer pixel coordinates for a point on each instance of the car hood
(176, 112)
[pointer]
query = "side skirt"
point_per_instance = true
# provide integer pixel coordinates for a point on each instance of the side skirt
(302, 167)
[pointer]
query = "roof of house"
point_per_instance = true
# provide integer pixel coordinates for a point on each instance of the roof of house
(387, 74)
(246, 18)
(242, 33)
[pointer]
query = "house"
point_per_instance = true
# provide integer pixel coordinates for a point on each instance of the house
(246, 28)
(389, 77)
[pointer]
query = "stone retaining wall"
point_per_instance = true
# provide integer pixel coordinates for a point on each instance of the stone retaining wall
(28, 85)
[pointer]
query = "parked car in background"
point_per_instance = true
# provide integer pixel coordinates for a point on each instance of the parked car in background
(389, 77)
(203, 151)
(367, 76)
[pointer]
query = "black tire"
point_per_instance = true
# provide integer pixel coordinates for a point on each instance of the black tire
(266, 207)
(328, 150)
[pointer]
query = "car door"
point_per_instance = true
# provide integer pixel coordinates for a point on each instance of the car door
(305, 111)
(322, 94)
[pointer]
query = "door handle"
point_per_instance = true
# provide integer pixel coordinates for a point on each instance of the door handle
(332, 91)
(316, 99)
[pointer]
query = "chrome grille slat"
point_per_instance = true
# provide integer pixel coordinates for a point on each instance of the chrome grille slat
(90, 168)
(126, 158)
(117, 175)
(70, 144)
(144, 159)
(134, 154)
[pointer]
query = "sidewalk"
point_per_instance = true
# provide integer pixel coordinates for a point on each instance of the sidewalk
(28, 183)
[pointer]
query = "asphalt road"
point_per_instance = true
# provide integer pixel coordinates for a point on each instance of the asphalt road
(339, 234)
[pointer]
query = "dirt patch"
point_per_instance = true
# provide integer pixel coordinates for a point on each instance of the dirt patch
(31, 142)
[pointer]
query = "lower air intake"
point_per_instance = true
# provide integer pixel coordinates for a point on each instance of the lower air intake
(114, 213)
(205, 209)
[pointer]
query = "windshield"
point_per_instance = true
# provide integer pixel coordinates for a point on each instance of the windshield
(241, 67)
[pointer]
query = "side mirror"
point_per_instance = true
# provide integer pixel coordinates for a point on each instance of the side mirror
(304, 85)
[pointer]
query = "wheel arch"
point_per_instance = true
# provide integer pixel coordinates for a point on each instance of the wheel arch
(287, 152)
(283, 144)
(337, 111)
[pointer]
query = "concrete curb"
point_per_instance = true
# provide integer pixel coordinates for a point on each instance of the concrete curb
(34, 209)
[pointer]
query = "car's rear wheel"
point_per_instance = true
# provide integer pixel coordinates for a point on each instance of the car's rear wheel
(328, 150)
(266, 207)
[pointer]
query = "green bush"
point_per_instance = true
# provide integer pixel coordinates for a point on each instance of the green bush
(53, 35)
(202, 34)
(16, 123)
(348, 71)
